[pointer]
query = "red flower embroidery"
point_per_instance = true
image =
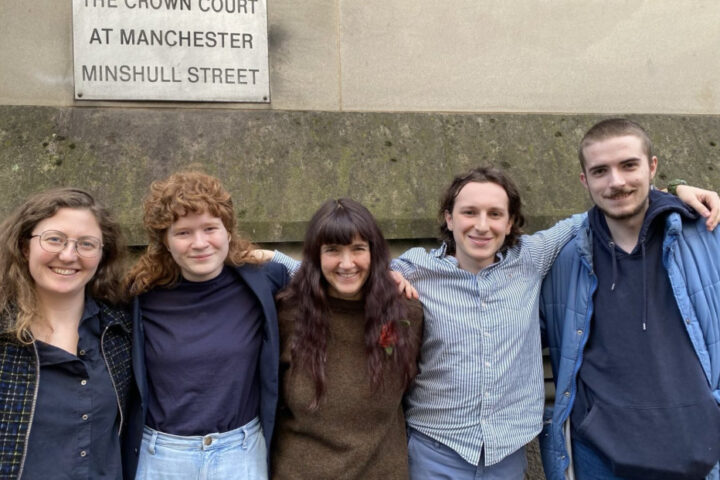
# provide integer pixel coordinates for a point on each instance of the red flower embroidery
(388, 337)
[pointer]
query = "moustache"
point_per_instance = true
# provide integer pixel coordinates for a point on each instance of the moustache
(618, 193)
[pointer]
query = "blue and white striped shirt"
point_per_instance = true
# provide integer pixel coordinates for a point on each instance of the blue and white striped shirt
(480, 380)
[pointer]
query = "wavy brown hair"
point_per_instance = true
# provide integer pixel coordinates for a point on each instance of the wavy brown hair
(181, 194)
(18, 298)
(482, 175)
(339, 222)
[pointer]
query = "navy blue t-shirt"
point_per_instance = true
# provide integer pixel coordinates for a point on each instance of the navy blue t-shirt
(202, 345)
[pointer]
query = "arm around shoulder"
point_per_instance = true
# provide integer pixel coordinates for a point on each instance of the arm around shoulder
(290, 264)
(277, 274)
(544, 246)
(406, 264)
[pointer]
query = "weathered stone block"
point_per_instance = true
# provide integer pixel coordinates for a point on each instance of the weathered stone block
(280, 166)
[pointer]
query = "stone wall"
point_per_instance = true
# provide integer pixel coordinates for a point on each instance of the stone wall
(379, 101)
(280, 166)
(603, 56)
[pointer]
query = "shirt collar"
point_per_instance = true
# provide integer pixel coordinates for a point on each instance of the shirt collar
(91, 308)
(441, 253)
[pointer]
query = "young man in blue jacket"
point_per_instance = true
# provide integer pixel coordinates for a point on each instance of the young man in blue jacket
(631, 316)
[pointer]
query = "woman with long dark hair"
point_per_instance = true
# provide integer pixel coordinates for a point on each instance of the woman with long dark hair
(65, 368)
(349, 346)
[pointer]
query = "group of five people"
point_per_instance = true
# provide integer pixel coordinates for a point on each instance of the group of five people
(224, 365)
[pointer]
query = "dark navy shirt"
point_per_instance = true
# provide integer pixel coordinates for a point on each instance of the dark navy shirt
(202, 345)
(74, 432)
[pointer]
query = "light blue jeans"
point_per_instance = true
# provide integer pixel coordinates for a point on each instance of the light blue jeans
(239, 453)
(431, 460)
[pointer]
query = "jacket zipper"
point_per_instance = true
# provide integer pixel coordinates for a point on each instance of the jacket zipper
(573, 379)
(117, 397)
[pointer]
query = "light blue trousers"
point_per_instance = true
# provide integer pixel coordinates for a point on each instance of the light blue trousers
(431, 460)
(237, 454)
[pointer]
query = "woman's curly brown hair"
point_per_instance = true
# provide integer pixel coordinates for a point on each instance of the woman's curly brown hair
(18, 299)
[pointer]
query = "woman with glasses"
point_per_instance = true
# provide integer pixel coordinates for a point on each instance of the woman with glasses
(65, 366)
(206, 339)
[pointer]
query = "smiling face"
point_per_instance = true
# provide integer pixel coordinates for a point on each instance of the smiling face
(479, 222)
(198, 242)
(346, 268)
(65, 273)
(617, 174)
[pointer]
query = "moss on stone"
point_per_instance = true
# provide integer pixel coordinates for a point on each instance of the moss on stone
(280, 166)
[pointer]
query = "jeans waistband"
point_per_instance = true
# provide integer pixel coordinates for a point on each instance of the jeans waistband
(203, 442)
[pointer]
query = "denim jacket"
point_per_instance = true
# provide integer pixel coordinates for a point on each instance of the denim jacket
(691, 256)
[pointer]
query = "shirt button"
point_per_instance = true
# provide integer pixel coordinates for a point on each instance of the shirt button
(579, 332)
(487, 364)
(567, 394)
(83, 382)
(483, 304)
(487, 334)
(687, 320)
(85, 416)
(83, 453)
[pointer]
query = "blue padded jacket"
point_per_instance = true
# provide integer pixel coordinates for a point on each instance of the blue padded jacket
(691, 256)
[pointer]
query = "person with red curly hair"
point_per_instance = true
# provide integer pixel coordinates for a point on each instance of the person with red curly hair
(206, 339)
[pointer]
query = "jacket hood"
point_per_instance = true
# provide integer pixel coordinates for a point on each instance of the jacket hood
(661, 204)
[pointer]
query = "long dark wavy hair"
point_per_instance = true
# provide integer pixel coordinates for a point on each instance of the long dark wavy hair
(339, 222)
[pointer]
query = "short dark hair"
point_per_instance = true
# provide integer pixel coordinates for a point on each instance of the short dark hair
(482, 175)
(611, 128)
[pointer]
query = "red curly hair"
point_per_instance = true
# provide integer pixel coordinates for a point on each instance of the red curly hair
(181, 194)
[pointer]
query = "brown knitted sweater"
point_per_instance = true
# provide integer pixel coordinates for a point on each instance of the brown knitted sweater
(355, 433)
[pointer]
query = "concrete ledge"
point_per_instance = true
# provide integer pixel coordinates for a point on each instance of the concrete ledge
(280, 166)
